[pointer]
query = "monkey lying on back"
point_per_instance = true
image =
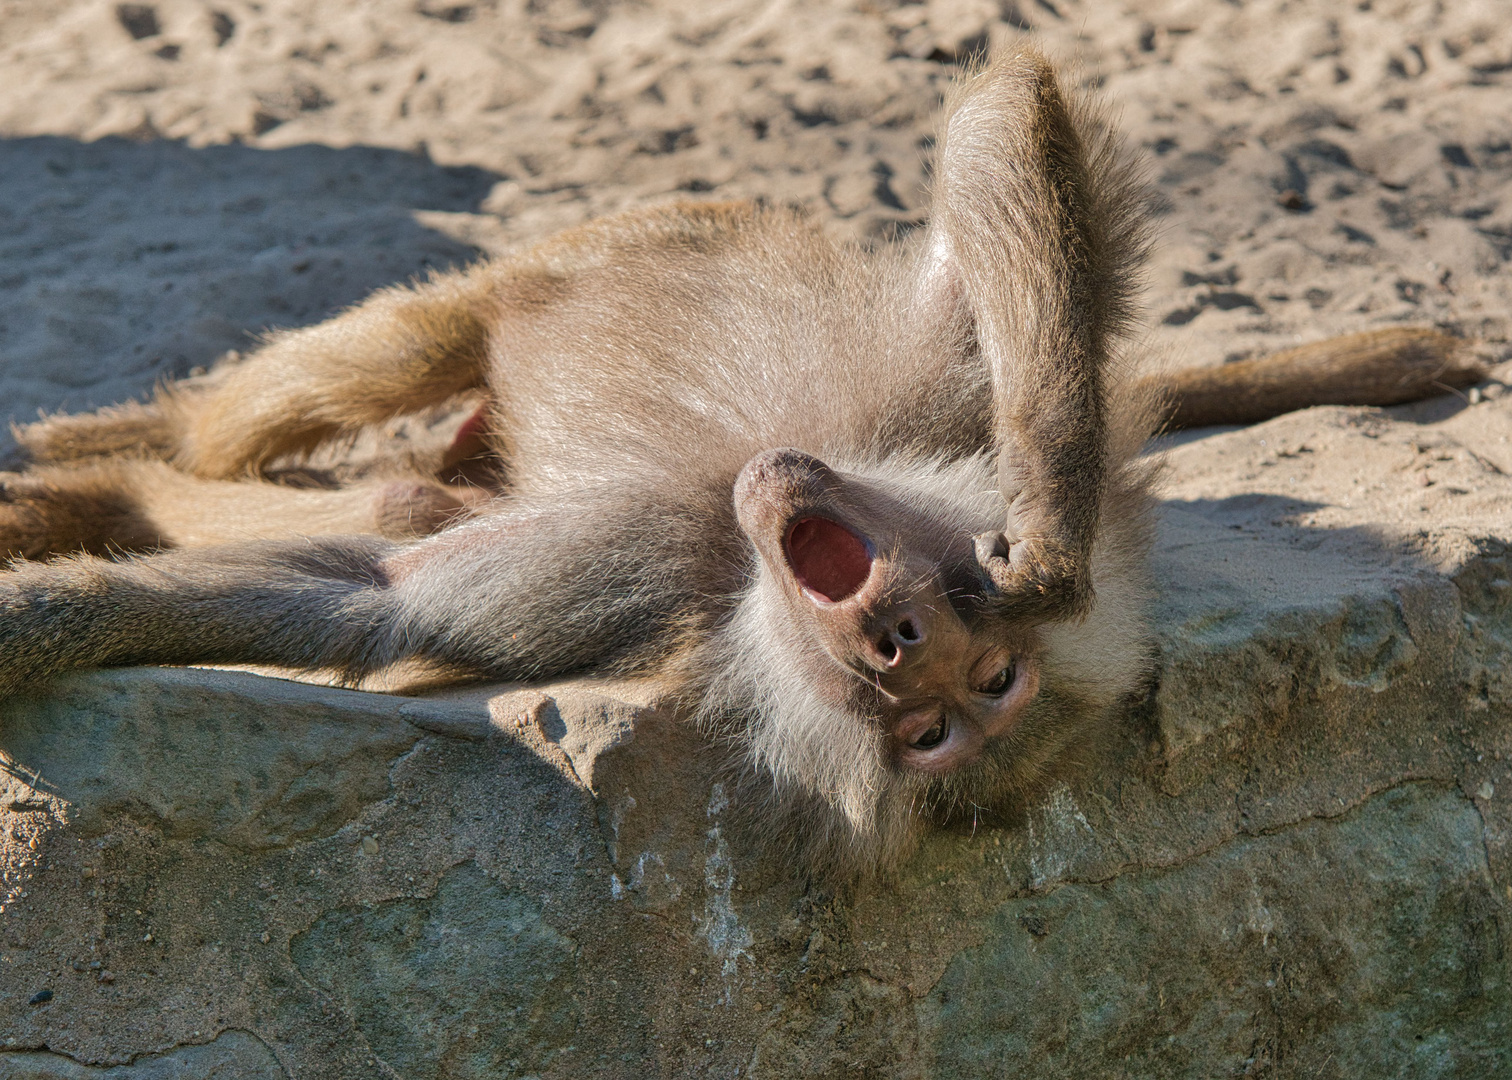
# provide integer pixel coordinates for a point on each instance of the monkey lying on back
(879, 518)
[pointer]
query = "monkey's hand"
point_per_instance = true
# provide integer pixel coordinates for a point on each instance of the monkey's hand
(1035, 579)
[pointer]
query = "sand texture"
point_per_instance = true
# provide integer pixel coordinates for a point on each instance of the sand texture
(179, 176)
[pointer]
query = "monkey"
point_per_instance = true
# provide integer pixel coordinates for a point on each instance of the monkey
(878, 520)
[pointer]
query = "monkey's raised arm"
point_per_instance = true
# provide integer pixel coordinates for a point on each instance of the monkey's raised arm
(1036, 232)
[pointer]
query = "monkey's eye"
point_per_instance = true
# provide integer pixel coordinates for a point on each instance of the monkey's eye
(934, 736)
(998, 685)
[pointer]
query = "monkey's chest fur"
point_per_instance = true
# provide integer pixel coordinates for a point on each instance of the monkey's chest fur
(680, 347)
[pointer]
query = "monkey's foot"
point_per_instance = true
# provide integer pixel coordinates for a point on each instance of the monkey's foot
(153, 429)
(70, 511)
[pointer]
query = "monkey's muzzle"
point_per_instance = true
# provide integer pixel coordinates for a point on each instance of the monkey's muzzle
(867, 583)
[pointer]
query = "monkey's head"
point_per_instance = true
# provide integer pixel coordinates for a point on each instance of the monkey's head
(886, 591)
(873, 670)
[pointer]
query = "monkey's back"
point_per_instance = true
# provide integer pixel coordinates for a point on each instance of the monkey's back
(682, 343)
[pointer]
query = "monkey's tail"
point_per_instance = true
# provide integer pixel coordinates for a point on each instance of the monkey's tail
(1377, 367)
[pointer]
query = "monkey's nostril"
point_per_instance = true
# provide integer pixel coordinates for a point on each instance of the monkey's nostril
(887, 649)
(907, 632)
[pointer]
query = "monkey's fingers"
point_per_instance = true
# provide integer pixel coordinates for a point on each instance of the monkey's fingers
(1034, 580)
(1378, 367)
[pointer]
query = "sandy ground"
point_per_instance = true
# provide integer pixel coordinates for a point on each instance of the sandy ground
(177, 176)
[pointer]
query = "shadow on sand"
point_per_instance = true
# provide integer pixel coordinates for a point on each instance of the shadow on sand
(125, 262)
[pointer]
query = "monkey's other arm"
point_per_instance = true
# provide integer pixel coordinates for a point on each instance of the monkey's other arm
(1037, 232)
(311, 604)
(527, 594)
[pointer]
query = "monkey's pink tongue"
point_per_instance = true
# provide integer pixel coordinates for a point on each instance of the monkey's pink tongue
(828, 559)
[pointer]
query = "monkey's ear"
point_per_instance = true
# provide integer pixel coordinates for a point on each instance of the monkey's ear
(1036, 229)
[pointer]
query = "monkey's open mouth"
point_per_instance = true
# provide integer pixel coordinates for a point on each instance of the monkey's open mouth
(829, 561)
(934, 736)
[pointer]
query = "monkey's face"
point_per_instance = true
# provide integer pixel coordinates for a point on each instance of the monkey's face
(890, 594)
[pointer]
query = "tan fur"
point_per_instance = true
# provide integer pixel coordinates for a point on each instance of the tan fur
(96, 509)
(140, 504)
(402, 349)
(1378, 367)
(154, 428)
(669, 397)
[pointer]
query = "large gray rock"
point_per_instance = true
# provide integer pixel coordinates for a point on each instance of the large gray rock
(1294, 857)
(234, 1055)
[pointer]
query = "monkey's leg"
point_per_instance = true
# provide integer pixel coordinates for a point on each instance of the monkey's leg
(313, 604)
(526, 595)
(154, 428)
(1035, 236)
(402, 349)
(47, 511)
(135, 504)
(1377, 367)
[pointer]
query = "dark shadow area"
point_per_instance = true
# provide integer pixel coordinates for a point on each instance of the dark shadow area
(124, 262)
(1280, 547)
(1249, 557)
(1430, 410)
(1250, 508)
(1159, 444)
(22, 777)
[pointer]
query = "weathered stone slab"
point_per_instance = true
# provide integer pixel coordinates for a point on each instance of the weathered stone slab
(1371, 940)
(234, 1055)
(273, 762)
(1292, 857)
(472, 981)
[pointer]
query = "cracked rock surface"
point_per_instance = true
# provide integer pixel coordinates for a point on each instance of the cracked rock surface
(1296, 855)
(1293, 858)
